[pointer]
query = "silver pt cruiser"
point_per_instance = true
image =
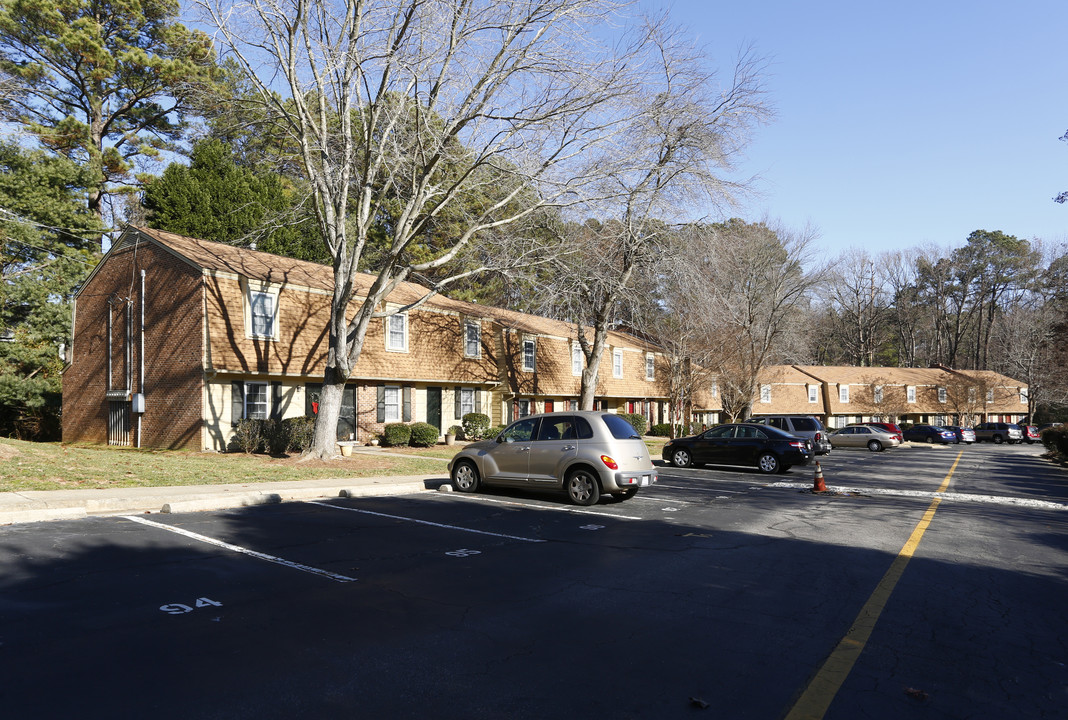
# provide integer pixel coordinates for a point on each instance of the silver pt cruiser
(585, 454)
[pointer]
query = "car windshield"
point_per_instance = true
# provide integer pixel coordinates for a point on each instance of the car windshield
(620, 428)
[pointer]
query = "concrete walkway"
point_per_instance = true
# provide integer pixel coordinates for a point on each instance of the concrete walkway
(38, 505)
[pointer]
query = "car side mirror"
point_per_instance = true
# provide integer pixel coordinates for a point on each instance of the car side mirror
(501, 439)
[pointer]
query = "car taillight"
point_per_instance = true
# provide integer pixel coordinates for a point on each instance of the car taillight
(798, 445)
(612, 464)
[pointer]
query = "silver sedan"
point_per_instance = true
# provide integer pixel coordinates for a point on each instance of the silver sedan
(869, 436)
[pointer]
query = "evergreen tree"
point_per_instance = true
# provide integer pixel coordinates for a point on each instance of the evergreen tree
(102, 82)
(214, 198)
(46, 240)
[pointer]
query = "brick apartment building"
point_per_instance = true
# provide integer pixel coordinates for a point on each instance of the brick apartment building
(176, 339)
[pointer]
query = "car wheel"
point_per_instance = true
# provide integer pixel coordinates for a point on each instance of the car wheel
(998, 439)
(929, 440)
(768, 464)
(875, 445)
(627, 494)
(681, 458)
(465, 477)
(582, 488)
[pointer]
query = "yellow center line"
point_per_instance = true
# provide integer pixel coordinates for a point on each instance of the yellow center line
(817, 697)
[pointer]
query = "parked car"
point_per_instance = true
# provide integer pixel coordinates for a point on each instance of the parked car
(767, 447)
(1031, 434)
(963, 434)
(585, 454)
(870, 436)
(891, 428)
(998, 432)
(804, 426)
(929, 434)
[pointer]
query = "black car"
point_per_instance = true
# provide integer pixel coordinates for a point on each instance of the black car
(768, 448)
(929, 434)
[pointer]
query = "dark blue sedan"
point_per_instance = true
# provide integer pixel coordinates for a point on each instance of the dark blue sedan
(929, 434)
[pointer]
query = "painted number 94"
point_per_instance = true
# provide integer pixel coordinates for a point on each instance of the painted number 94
(179, 609)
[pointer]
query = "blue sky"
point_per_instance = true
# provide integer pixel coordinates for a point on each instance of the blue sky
(902, 124)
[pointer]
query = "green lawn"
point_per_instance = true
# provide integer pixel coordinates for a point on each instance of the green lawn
(54, 466)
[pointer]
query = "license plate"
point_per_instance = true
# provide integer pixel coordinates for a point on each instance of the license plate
(645, 479)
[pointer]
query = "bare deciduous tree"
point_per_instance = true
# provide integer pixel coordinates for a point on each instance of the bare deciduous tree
(400, 108)
(682, 133)
(748, 287)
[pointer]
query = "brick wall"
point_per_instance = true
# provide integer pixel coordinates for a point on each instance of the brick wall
(173, 335)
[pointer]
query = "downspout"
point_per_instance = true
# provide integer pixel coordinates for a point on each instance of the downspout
(141, 356)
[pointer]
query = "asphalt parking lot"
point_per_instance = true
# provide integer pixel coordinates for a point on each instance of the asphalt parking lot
(718, 593)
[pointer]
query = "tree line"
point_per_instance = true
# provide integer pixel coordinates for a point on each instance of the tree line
(548, 156)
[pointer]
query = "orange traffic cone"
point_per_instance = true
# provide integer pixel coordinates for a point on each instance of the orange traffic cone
(817, 482)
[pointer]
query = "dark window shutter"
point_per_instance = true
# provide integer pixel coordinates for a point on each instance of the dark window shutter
(478, 400)
(381, 403)
(276, 401)
(456, 413)
(237, 401)
(407, 392)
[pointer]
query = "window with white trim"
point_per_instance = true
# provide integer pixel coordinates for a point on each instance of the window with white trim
(1023, 396)
(391, 399)
(910, 393)
(941, 394)
(257, 403)
(467, 401)
(576, 360)
(528, 355)
(990, 395)
(397, 332)
(971, 394)
(650, 367)
(262, 314)
(843, 393)
(765, 393)
(715, 389)
(877, 393)
(472, 339)
(617, 363)
(524, 408)
(813, 394)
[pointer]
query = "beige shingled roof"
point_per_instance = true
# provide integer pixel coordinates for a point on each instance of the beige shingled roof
(259, 265)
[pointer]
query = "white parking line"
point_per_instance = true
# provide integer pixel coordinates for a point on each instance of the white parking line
(951, 497)
(557, 508)
(239, 549)
(699, 489)
(423, 522)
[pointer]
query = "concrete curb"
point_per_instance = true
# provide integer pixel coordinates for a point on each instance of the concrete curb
(47, 505)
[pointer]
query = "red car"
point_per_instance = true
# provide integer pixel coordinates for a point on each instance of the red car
(888, 427)
(1031, 434)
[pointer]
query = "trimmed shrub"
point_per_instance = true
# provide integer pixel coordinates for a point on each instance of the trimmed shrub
(396, 434)
(1056, 439)
(660, 429)
(456, 431)
(275, 437)
(636, 421)
(423, 435)
(248, 435)
(475, 425)
(298, 432)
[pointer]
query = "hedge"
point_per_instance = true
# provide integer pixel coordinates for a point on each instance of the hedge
(423, 435)
(475, 425)
(396, 434)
